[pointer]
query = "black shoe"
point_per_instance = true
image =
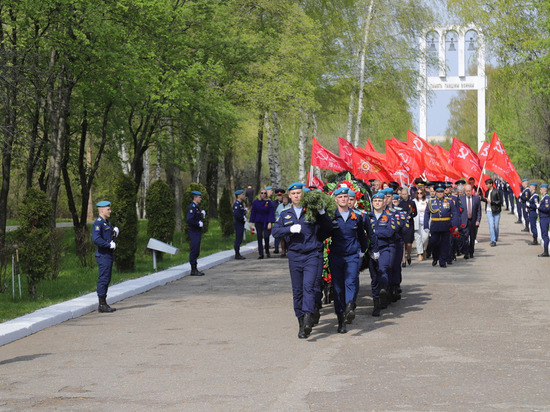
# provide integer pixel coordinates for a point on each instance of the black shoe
(103, 307)
(383, 299)
(239, 257)
(434, 262)
(260, 257)
(341, 323)
(349, 313)
(534, 242)
(442, 265)
(195, 272)
(283, 255)
(525, 229)
(308, 323)
(409, 261)
(403, 265)
(376, 309)
(466, 256)
(545, 253)
(316, 315)
(518, 222)
(276, 251)
(301, 334)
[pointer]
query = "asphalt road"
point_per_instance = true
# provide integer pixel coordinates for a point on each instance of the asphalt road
(474, 336)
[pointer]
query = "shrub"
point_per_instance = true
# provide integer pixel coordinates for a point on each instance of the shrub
(225, 214)
(161, 221)
(34, 235)
(125, 217)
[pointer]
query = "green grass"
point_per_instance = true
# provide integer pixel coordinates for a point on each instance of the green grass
(74, 280)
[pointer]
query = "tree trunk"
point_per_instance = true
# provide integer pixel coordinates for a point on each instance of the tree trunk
(276, 177)
(212, 180)
(173, 178)
(302, 144)
(259, 152)
(362, 74)
(228, 168)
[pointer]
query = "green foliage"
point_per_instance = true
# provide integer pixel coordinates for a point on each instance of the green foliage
(313, 201)
(161, 221)
(34, 234)
(225, 214)
(124, 216)
(188, 198)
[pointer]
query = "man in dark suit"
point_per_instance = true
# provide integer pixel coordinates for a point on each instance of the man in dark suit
(470, 218)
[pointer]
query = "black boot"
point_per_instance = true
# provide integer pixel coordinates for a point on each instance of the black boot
(301, 334)
(383, 299)
(525, 229)
(376, 310)
(104, 307)
(316, 315)
(341, 323)
(195, 272)
(349, 313)
(238, 256)
(545, 253)
(534, 242)
(308, 323)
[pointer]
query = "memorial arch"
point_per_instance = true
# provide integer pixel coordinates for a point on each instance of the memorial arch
(452, 38)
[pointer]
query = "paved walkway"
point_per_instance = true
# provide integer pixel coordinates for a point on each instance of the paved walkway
(474, 336)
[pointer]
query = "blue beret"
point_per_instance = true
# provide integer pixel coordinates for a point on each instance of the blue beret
(341, 191)
(378, 195)
(306, 189)
(395, 197)
(544, 185)
(388, 191)
(268, 187)
(351, 193)
(525, 180)
(238, 192)
(103, 203)
(295, 186)
(533, 184)
(196, 193)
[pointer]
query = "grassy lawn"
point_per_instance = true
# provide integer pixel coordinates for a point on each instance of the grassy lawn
(74, 280)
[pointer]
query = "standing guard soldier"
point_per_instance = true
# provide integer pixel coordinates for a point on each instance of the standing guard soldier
(239, 219)
(544, 215)
(532, 206)
(195, 218)
(441, 218)
(102, 235)
(305, 255)
(524, 198)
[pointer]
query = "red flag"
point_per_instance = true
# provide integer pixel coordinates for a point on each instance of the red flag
(369, 146)
(483, 152)
(346, 149)
(499, 162)
(313, 180)
(369, 164)
(325, 159)
(406, 158)
(464, 159)
(435, 165)
(447, 169)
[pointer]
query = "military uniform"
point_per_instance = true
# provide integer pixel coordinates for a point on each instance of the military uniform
(103, 234)
(440, 218)
(524, 198)
(532, 207)
(194, 219)
(239, 219)
(544, 215)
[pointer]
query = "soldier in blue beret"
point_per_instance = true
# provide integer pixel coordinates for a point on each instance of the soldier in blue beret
(441, 217)
(195, 217)
(103, 234)
(532, 207)
(544, 215)
(239, 219)
(523, 211)
(304, 241)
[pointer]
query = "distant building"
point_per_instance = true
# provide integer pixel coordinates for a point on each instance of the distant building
(437, 139)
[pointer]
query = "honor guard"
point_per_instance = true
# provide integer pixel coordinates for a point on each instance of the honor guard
(102, 235)
(195, 218)
(441, 217)
(532, 207)
(544, 215)
(524, 198)
(305, 256)
(239, 219)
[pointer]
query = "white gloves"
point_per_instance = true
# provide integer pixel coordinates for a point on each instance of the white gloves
(116, 231)
(245, 219)
(113, 245)
(322, 211)
(528, 203)
(203, 213)
(201, 224)
(375, 255)
(361, 254)
(295, 228)
(427, 230)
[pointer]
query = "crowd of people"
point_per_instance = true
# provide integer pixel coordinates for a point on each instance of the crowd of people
(440, 218)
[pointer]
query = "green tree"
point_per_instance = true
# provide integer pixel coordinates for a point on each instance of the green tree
(226, 214)
(125, 217)
(161, 221)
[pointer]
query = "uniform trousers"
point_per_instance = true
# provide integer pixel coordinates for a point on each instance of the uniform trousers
(512, 198)
(105, 267)
(195, 245)
(345, 279)
(394, 276)
(544, 224)
(525, 216)
(304, 277)
(533, 223)
(239, 233)
(440, 242)
(263, 234)
(379, 269)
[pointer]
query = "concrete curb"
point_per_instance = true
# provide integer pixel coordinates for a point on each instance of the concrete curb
(18, 328)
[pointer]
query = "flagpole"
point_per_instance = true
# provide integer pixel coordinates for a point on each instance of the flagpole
(309, 180)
